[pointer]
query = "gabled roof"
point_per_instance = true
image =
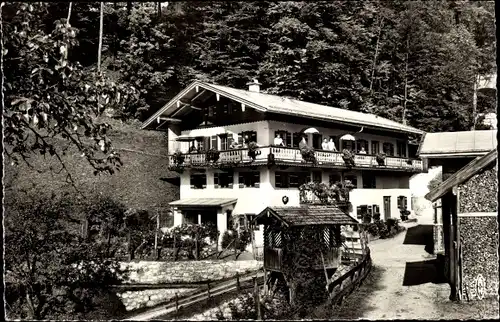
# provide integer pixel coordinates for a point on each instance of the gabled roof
(276, 104)
(307, 215)
(462, 175)
(204, 202)
(456, 144)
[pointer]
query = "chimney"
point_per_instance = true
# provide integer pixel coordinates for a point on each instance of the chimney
(254, 86)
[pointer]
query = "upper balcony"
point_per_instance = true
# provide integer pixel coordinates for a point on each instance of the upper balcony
(287, 156)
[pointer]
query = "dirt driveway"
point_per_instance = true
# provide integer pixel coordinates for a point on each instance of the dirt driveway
(404, 284)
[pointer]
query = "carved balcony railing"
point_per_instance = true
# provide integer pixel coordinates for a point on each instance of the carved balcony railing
(291, 156)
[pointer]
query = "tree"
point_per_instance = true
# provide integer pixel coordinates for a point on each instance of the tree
(51, 271)
(49, 98)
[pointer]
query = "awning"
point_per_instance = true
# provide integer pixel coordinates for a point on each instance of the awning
(209, 131)
(204, 202)
(307, 215)
(185, 138)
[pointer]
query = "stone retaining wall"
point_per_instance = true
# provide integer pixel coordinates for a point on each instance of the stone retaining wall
(149, 272)
(134, 300)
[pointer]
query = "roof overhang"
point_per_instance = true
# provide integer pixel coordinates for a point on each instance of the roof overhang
(177, 103)
(453, 155)
(462, 175)
(203, 202)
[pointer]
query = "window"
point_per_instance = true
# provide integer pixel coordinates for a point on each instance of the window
(334, 178)
(317, 176)
(389, 148)
(290, 179)
(252, 137)
(401, 149)
(375, 148)
(223, 179)
(213, 142)
(361, 211)
(317, 140)
(198, 180)
(361, 144)
(297, 137)
(224, 142)
(376, 209)
(249, 179)
(353, 179)
(402, 202)
(285, 136)
(349, 145)
(368, 180)
(211, 111)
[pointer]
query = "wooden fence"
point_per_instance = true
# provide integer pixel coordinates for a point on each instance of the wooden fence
(344, 285)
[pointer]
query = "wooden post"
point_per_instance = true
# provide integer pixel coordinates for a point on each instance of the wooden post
(197, 246)
(257, 298)
(238, 286)
(265, 281)
(208, 290)
(176, 302)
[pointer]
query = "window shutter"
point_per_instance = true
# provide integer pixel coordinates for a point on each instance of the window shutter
(358, 212)
(257, 180)
(240, 138)
(241, 180)
(214, 142)
(370, 210)
(288, 139)
(216, 180)
(277, 180)
(405, 202)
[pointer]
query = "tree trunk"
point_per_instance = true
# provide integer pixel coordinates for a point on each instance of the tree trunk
(100, 38)
(406, 85)
(159, 9)
(69, 13)
(129, 7)
(376, 53)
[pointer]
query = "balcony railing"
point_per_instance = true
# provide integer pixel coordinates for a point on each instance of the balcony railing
(290, 156)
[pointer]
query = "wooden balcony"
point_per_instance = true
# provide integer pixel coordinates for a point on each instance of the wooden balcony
(273, 259)
(292, 157)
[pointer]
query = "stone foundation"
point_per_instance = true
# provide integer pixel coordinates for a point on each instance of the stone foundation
(149, 272)
(134, 300)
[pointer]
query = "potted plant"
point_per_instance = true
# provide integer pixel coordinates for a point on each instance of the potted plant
(409, 161)
(253, 150)
(348, 157)
(270, 160)
(179, 158)
(404, 214)
(308, 154)
(212, 155)
(380, 158)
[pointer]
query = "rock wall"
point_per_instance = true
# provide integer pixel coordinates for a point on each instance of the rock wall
(479, 242)
(150, 272)
(134, 300)
(479, 193)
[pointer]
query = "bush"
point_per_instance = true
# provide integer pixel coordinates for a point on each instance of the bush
(376, 216)
(372, 229)
(367, 218)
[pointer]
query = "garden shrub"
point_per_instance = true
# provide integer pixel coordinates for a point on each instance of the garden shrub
(372, 229)
(376, 216)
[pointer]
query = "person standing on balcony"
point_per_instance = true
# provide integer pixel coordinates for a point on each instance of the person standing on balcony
(362, 150)
(324, 145)
(192, 149)
(246, 140)
(331, 145)
(278, 141)
(232, 144)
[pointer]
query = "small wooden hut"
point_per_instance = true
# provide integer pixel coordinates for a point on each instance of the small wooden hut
(285, 227)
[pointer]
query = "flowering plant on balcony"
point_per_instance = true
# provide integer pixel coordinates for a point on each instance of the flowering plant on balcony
(178, 157)
(409, 161)
(348, 157)
(212, 155)
(270, 160)
(338, 192)
(380, 158)
(253, 150)
(308, 154)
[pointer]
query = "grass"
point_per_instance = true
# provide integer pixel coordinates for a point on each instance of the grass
(355, 305)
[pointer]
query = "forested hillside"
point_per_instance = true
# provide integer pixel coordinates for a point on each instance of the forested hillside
(412, 61)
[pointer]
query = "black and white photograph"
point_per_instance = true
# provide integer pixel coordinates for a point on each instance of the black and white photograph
(249, 160)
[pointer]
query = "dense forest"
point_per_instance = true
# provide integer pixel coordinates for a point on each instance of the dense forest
(411, 61)
(64, 65)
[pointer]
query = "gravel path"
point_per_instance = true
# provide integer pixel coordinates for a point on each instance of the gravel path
(394, 300)
(403, 284)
